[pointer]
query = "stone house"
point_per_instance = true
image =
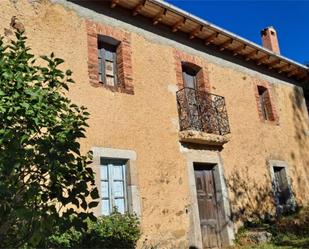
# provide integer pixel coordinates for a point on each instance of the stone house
(193, 128)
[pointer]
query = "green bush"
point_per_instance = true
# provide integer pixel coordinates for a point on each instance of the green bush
(114, 231)
(108, 232)
(68, 239)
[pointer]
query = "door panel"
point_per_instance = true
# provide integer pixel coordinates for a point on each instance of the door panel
(208, 208)
(192, 99)
(189, 80)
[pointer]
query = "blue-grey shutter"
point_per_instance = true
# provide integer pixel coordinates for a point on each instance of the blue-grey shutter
(101, 57)
(115, 68)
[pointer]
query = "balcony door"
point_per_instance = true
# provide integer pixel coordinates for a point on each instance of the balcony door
(189, 77)
(189, 74)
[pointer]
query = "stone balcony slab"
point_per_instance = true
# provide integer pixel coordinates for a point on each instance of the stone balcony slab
(199, 137)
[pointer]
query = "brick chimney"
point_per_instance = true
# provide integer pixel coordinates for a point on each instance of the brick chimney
(270, 39)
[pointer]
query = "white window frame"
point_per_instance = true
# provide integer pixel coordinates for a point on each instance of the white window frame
(110, 163)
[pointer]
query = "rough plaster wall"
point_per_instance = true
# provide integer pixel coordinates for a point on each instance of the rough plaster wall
(143, 122)
(253, 142)
(147, 121)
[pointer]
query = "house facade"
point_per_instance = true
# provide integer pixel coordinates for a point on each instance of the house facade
(192, 127)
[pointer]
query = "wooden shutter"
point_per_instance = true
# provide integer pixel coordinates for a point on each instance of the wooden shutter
(101, 58)
(200, 82)
(107, 63)
(263, 103)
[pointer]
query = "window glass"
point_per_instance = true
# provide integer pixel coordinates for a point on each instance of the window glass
(120, 205)
(104, 189)
(118, 172)
(103, 172)
(105, 207)
(118, 189)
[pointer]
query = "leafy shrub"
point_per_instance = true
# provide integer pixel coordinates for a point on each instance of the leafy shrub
(44, 177)
(68, 239)
(108, 232)
(113, 231)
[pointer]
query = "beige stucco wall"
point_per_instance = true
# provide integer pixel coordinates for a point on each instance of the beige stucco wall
(147, 122)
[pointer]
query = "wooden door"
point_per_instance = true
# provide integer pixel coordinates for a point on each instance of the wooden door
(208, 207)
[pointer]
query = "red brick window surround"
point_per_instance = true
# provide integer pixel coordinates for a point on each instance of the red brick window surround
(265, 104)
(118, 74)
(197, 64)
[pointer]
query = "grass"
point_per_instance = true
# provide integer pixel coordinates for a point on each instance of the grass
(284, 242)
(290, 232)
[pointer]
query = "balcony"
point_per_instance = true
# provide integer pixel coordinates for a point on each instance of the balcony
(203, 117)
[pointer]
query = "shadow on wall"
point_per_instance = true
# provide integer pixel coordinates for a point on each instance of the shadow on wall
(301, 135)
(201, 147)
(249, 199)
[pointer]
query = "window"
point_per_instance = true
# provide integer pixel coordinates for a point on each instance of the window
(281, 186)
(190, 75)
(107, 58)
(113, 185)
(282, 191)
(264, 102)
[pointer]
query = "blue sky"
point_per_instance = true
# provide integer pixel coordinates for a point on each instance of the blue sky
(247, 18)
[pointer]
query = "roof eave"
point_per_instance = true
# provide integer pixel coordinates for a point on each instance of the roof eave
(274, 61)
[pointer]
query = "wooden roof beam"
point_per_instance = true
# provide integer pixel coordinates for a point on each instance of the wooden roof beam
(292, 72)
(249, 56)
(138, 8)
(211, 38)
(237, 50)
(114, 3)
(274, 63)
(158, 18)
(196, 32)
(178, 25)
(302, 75)
(284, 68)
(225, 44)
(263, 59)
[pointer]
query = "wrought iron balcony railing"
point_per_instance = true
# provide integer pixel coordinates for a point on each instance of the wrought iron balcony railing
(202, 111)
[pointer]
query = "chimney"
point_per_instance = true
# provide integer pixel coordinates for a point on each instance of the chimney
(270, 39)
